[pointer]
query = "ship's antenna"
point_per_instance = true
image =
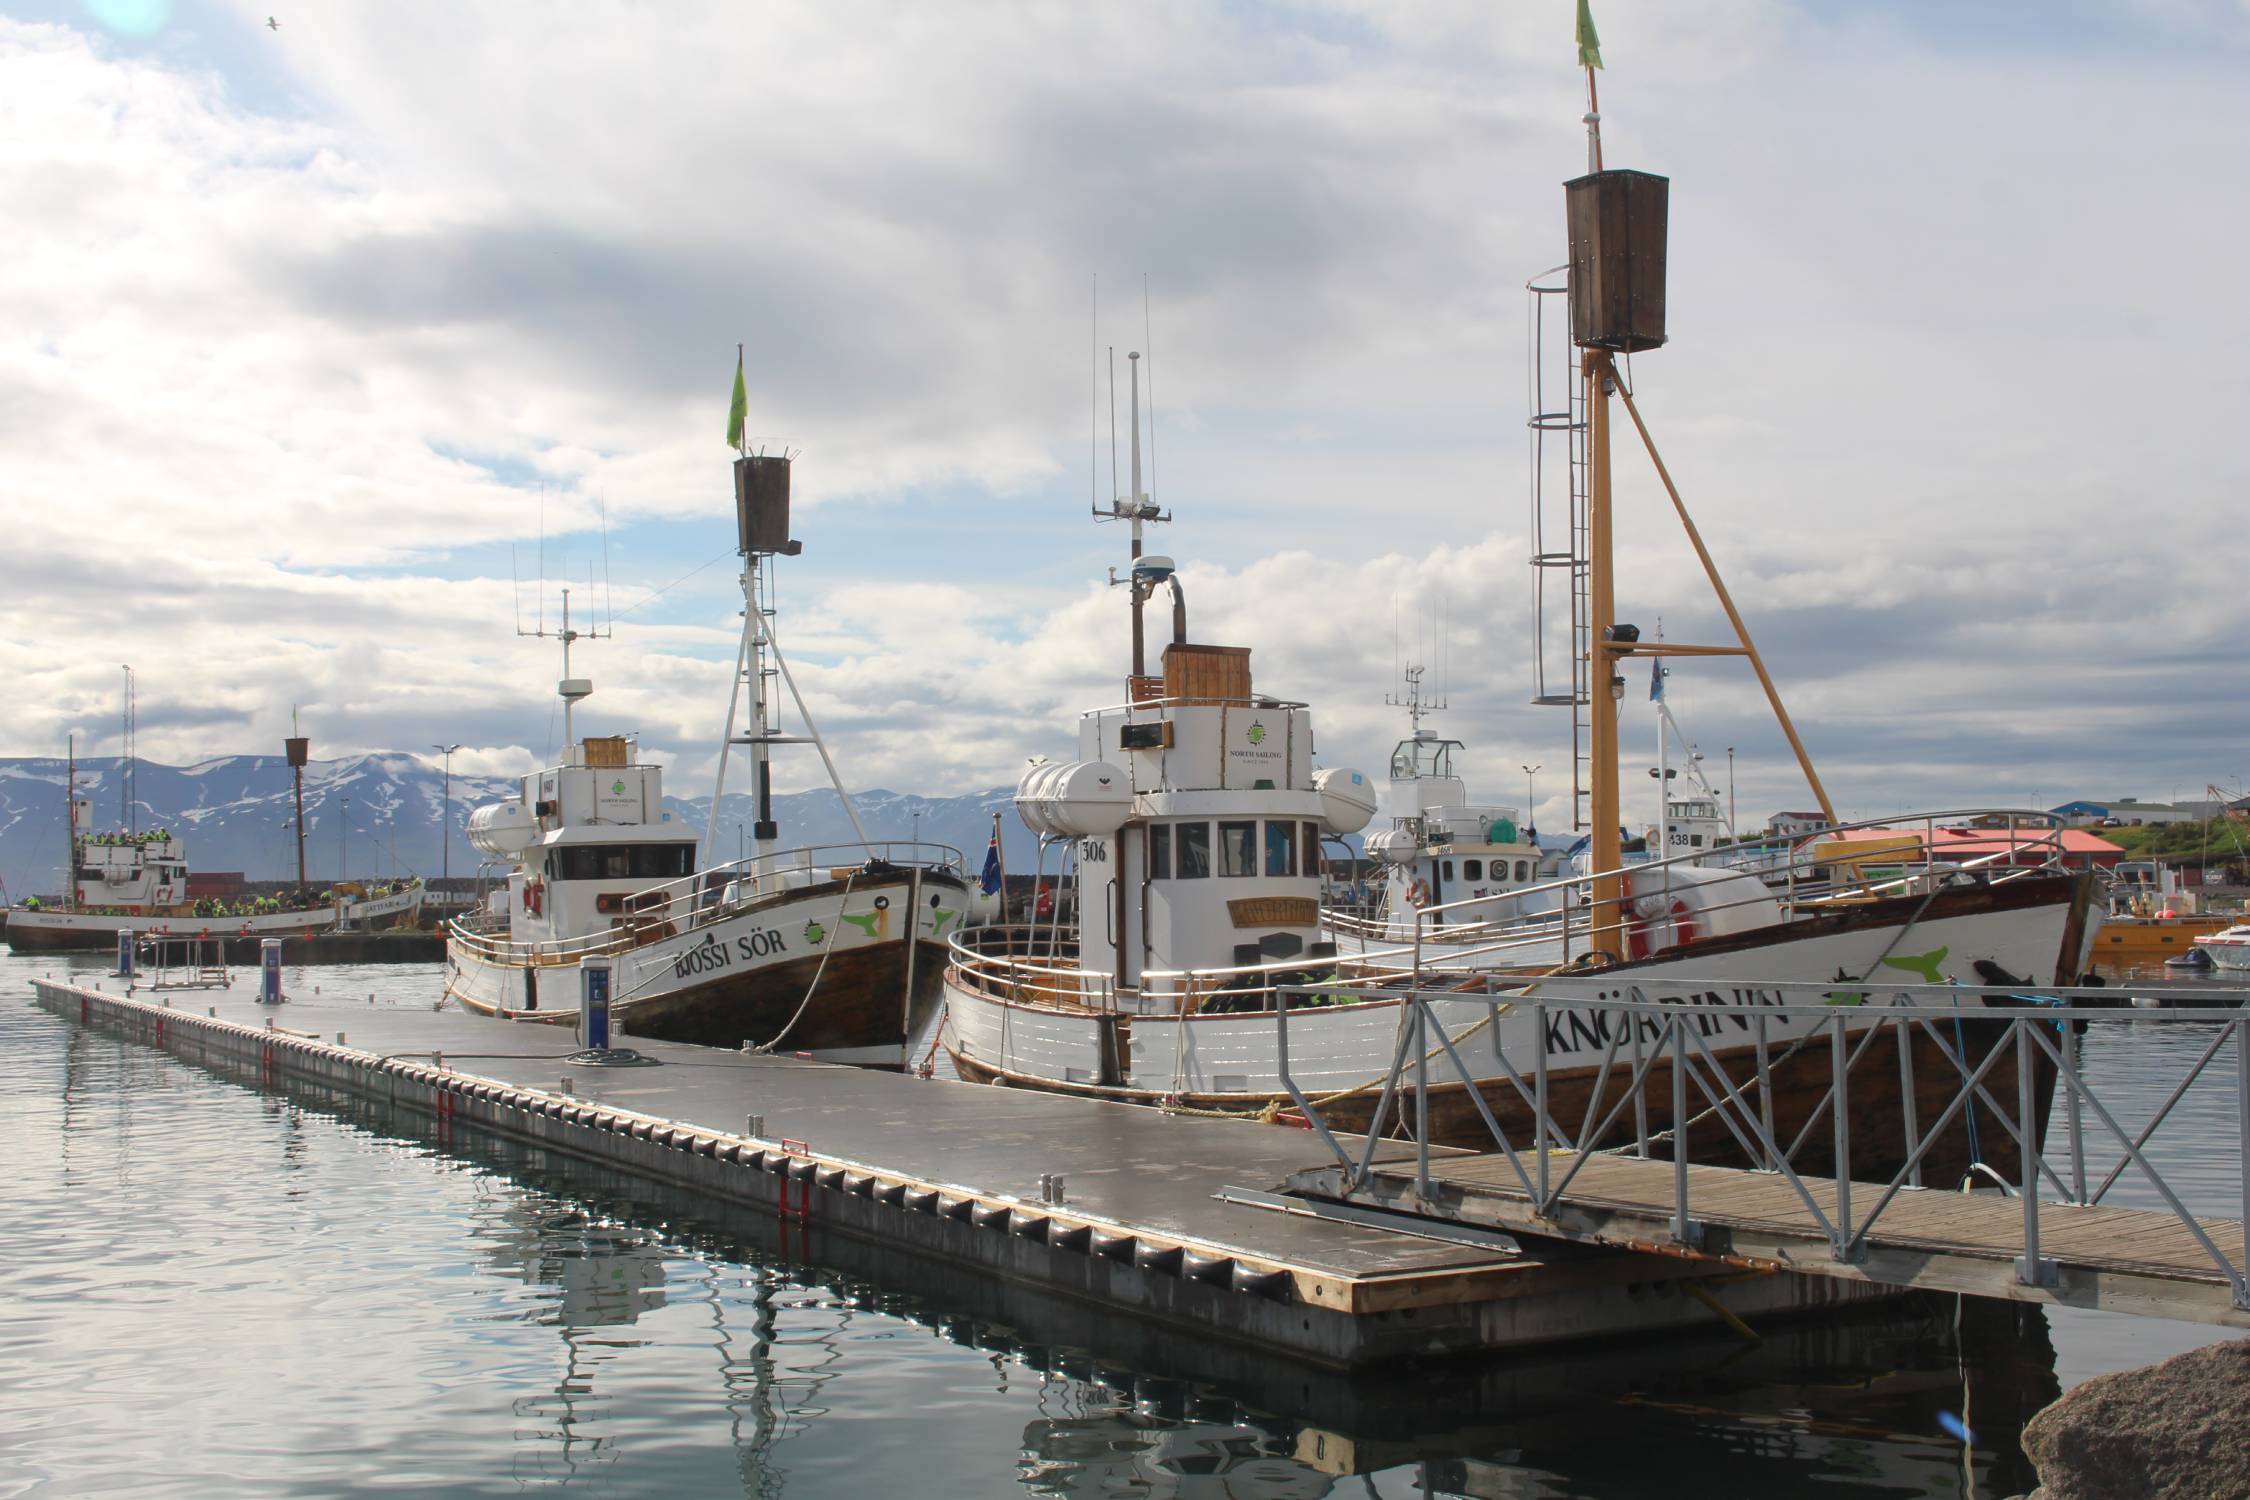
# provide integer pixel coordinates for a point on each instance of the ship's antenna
(1134, 507)
(1410, 697)
(609, 606)
(1094, 398)
(1148, 347)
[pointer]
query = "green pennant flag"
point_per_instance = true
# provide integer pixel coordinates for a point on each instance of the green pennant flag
(1589, 44)
(738, 411)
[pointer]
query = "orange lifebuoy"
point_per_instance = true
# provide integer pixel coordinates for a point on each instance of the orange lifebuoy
(531, 890)
(1682, 917)
(1417, 892)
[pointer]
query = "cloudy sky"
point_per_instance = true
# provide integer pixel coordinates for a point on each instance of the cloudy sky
(308, 335)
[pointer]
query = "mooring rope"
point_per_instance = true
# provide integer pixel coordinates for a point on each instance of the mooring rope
(818, 969)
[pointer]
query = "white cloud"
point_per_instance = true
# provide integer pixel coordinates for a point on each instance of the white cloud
(1952, 387)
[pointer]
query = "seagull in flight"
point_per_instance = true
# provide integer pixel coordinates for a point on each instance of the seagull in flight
(272, 24)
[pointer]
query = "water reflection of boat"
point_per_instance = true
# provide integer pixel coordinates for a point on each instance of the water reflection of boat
(602, 1273)
(1128, 1453)
(762, 1345)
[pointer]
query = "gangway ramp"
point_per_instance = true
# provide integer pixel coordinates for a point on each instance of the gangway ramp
(1693, 1150)
(2117, 1259)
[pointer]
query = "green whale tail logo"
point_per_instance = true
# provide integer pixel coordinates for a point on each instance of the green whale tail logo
(1923, 965)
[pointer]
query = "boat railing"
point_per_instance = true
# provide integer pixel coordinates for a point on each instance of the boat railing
(710, 896)
(1813, 873)
(1030, 964)
(1872, 1036)
(1194, 700)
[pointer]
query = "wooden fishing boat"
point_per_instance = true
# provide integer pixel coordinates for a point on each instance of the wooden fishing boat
(1198, 974)
(833, 951)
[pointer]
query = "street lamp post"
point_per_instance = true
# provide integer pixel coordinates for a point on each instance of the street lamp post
(1531, 801)
(344, 843)
(445, 818)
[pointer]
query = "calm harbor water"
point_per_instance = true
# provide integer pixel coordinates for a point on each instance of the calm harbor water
(208, 1289)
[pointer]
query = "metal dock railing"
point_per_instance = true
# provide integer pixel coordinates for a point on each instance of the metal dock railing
(2044, 1228)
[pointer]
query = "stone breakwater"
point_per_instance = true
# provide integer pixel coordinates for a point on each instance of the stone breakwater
(2179, 1430)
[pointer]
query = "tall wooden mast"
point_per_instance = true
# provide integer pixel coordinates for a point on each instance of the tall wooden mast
(1617, 222)
(1604, 675)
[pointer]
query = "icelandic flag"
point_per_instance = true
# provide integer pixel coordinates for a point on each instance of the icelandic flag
(991, 879)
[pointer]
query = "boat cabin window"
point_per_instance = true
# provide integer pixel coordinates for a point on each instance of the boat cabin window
(1523, 869)
(1238, 848)
(1160, 851)
(1312, 849)
(1281, 848)
(1195, 851)
(1418, 758)
(650, 862)
(1445, 870)
(1472, 869)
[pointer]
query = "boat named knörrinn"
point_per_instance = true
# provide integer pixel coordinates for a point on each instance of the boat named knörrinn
(1197, 954)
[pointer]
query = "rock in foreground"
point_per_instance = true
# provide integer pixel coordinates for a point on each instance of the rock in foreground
(2179, 1430)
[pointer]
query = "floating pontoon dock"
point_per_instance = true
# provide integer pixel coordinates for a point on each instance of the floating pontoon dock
(952, 1171)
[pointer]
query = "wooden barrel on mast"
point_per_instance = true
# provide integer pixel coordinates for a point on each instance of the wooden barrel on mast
(1617, 223)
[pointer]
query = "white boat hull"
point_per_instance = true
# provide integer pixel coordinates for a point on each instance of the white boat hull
(1236, 1059)
(50, 931)
(2230, 954)
(824, 971)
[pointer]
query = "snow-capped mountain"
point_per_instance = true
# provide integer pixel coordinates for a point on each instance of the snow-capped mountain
(378, 815)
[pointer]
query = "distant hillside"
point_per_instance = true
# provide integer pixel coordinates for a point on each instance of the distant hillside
(377, 815)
